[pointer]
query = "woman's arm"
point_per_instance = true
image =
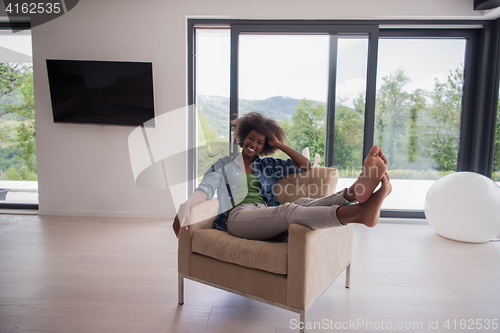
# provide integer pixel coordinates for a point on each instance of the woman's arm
(184, 210)
(302, 162)
(205, 191)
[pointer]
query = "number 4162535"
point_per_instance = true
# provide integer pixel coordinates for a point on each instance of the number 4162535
(34, 8)
(471, 324)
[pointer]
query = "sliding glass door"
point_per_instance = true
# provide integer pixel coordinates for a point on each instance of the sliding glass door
(338, 88)
(418, 113)
(286, 77)
(313, 80)
(212, 97)
(348, 112)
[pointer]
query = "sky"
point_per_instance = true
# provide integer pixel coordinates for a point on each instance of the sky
(297, 66)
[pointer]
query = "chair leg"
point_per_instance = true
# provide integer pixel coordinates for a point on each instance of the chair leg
(180, 289)
(302, 321)
(347, 275)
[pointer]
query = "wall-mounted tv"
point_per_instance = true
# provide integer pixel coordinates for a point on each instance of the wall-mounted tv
(101, 92)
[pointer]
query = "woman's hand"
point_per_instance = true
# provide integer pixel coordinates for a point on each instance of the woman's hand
(182, 216)
(273, 140)
(184, 211)
(299, 159)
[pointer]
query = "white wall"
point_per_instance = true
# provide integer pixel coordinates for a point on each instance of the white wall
(85, 169)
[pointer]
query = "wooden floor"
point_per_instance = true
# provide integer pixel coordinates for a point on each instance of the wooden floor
(106, 275)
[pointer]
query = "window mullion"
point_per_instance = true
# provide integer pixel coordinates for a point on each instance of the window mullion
(330, 107)
(233, 94)
(371, 90)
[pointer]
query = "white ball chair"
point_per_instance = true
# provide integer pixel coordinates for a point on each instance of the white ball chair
(464, 206)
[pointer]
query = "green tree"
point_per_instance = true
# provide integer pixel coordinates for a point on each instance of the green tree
(15, 79)
(392, 116)
(210, 148)
(447, 99)
(414, 133)
(307, 127)
(348, 136)
(417, 104)
(8, 79)
(445, 113)
(444, 153)
(8, 158)
(22, 173)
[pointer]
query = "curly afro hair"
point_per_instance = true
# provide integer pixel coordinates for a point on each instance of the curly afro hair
(262, 124)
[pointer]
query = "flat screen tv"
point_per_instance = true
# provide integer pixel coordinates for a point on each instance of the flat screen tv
(101, 92)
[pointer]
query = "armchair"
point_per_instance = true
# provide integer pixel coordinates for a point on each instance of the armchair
(289, 274)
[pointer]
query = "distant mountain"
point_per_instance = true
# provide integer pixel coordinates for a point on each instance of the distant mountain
(216, 108)
(277, 107)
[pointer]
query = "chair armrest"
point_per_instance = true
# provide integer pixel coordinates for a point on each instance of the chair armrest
(202, 216)
(315, 258)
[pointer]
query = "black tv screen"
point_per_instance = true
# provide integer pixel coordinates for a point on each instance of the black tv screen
(101, 92)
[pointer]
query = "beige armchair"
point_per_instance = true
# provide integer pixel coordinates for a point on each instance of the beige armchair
(290, 274)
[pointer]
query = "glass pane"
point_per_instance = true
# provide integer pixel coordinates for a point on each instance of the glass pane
(496, 156)
(350, 94)
(286, 77)
(212, 96)
(418, 112)
(18, 174)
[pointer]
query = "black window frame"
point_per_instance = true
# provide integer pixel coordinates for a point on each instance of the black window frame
(496, 92)
(481, 80)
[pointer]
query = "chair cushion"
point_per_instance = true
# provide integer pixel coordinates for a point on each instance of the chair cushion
(265, 255)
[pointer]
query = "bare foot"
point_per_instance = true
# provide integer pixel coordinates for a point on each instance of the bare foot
(382, 156)
(371, 208)
(374, 168)
(367, 213)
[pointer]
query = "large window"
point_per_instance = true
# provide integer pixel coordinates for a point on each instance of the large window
(292, 89)
(338, 88)
(350, 95)
(18, 176)
(212, 96)
(418, 113)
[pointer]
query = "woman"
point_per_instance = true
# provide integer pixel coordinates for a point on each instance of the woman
(247, 205)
